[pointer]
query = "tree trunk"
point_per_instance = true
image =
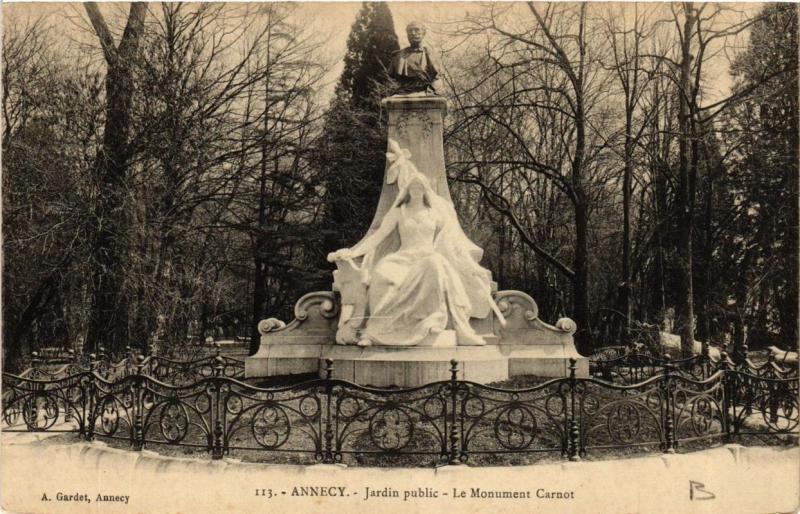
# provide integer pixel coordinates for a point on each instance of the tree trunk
(658, 297)
(685, 302)
(108, 311)
(625, 287)
(790, 307)
(260, 275)
(581, 282)
(583, 335)
(739, 315)
(704, 273)
(15, 333)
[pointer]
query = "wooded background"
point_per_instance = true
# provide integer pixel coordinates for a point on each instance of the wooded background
(181, 170)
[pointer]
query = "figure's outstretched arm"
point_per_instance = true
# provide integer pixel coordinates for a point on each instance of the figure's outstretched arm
(370, 243)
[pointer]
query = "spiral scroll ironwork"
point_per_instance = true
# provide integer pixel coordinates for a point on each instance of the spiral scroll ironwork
(330, 420)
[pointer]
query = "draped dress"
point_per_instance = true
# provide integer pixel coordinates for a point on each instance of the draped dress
(414, 291)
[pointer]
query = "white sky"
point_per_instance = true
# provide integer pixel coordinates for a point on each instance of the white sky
(337, 17)
(335, 20)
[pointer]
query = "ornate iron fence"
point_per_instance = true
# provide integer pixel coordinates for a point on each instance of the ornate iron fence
(164, 369)
(452, 421)
(630, 366)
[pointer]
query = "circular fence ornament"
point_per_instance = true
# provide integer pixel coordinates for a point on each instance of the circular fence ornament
(109, 417)
(40, 412)
(174, 422)
(234, 404)
(308, 406)
(433, 408)
(653, 400)
(702, 415)
(270, 426)
(11, 407)
(348, 407)
(75, 394)
(148, 400)
(515, 427)
(391, 429)
(624, 423)
(126, 398)
(202, 403)
(591, 404)
(555, 405)
(780, 412)
(474, 407)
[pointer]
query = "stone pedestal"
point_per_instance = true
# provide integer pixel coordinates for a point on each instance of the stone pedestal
(417, 124)
(524, 346)
(391, 366)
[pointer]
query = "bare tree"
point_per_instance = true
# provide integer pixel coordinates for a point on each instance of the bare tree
(221, 115)
(556, 71)
(48, 141)
(633, 70)
(108, 321)
(699, 29)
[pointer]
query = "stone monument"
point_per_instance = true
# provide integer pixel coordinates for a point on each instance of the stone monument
(411, 295)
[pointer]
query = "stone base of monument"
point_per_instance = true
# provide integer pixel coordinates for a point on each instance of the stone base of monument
(387, 366)
(525, 346)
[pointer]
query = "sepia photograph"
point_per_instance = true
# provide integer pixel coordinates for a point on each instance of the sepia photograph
(487, 257)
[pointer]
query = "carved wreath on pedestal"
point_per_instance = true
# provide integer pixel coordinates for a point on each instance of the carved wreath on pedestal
(407, 118)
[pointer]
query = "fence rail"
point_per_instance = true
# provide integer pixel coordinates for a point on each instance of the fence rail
(629, 366)
(453, 421)
(164, 369)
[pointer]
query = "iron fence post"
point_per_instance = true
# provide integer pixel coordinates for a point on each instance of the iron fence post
(776, 392)
(705, 360)
(669, 409)
(31, 408)
(743, 366)
(138, 407)
(453, 455)
(102, 367)
(635, 363)
(740, 359)
(91, 406)
(574, 434)
(217, 449)
(328, 430)
(726, 389)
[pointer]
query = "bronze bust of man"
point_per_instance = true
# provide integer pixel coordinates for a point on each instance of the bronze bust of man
(415, 69)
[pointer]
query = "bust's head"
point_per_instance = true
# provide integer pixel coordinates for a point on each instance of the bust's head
(415, 32)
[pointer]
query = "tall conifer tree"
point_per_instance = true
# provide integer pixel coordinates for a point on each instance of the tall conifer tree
(768, 170)
(351, 153)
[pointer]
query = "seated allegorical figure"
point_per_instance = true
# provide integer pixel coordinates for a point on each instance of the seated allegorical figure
(432, 281)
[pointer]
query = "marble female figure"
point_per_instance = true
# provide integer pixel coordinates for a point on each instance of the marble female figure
(431, 282)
